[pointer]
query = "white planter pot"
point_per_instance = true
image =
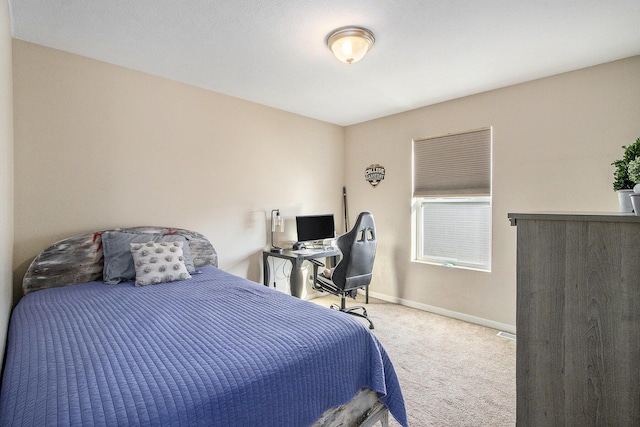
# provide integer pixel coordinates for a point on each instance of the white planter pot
(635, 201)
(625, 201)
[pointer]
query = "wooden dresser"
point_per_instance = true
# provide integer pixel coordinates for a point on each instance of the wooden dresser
(578, 319)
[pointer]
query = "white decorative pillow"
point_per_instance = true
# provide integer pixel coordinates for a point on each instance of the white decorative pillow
(158, 262)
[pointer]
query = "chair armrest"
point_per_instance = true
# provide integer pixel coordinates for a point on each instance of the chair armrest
(316, 263)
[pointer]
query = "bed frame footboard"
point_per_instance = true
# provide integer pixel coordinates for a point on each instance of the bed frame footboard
(364, 410)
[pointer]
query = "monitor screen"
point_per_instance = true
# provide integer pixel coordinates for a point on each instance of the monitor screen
(312, 228)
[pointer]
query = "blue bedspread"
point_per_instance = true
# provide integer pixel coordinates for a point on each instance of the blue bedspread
(214, 350)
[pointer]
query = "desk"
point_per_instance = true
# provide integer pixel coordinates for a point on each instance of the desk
(296, 281)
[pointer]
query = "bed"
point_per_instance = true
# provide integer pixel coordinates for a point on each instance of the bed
(212, 349)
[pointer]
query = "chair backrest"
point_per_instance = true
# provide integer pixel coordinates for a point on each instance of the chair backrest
(358, 248)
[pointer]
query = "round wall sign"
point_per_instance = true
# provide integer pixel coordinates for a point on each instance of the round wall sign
(374, 174)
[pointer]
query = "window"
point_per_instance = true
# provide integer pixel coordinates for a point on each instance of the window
(452, 200)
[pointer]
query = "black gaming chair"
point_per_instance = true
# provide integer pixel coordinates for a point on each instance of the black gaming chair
(354, 269)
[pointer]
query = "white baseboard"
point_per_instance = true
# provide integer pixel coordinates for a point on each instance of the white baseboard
(444, 312)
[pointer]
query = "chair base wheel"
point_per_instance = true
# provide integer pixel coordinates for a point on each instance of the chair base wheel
(353, 311)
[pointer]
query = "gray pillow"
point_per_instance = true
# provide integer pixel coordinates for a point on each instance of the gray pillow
(118, 261)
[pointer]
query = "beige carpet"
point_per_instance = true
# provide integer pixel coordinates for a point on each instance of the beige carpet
(452, 373)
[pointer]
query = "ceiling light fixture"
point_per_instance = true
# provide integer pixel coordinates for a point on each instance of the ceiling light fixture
(350, 44)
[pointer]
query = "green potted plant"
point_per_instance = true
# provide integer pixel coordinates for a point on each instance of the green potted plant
(622, 183)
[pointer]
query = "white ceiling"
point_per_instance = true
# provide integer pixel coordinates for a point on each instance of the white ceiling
(274, 52)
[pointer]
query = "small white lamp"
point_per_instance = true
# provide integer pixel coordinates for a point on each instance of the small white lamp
(277, 224)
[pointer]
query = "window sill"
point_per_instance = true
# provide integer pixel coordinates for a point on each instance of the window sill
(450, 265)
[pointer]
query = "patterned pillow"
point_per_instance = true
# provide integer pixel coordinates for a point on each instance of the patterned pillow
(158, 262)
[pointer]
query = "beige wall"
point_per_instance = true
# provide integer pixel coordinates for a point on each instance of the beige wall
(6, 173)
(100, 146)
(93, 142)
(554, 140)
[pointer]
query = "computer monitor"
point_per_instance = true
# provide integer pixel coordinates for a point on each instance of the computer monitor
(313, 228)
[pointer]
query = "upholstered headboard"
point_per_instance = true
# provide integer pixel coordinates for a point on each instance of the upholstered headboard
(80, 259)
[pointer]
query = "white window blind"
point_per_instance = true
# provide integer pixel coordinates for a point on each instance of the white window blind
(453, 165)
(452, 200)
(456, 232)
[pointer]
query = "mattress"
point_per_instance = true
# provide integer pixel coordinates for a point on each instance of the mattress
(215, 350)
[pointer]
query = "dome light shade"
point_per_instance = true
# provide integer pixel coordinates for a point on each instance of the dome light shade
(350, 44)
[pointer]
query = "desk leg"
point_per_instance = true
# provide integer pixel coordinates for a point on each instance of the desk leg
(265, 269)
(296, 281)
